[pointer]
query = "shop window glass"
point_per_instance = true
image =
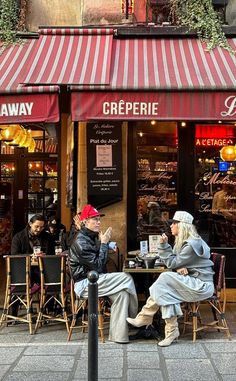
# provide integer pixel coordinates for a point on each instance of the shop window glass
(6, 149)
(39, 141)
(42, 187)
(156, 177)
(215, 189)
(51, 145)
(7, 170)
(35, 168)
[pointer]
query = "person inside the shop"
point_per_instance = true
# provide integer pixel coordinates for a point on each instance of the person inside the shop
(191, 278)
(89, 251)
(223, 203)
(57, 232)
(150, 217)
(155, 218)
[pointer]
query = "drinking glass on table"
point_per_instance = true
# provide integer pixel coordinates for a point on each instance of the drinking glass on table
(36, 251)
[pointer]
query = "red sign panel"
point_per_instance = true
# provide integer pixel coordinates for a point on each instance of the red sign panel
(21, 108)
(153, 105)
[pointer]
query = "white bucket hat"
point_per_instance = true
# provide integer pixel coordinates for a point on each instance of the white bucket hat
(181, 216)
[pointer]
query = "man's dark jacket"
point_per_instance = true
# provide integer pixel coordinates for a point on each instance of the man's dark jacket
(21, 245)
(87, 253)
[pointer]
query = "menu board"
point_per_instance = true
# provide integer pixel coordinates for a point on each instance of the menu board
(104, 158)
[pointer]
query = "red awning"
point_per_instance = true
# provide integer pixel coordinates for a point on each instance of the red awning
(143, 105)
(24, 103)
(71, 56)
(162, 78)
(29, 108)
(170, 64)
(162, 64)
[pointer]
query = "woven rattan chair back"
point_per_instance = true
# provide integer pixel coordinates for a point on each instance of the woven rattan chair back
(18, 290)
(217, 303)
(52, 290)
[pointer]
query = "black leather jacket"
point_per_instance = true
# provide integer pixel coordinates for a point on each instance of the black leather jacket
(87, 253)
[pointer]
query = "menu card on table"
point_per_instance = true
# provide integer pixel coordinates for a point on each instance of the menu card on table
(143, 247)
(153, 243)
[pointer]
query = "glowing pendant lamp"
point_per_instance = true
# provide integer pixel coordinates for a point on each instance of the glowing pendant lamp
(228, 153)
(10, 132)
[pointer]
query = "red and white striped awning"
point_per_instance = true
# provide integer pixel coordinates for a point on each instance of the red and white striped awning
(170, 64)
(18, 103)
(13, 62)
(181, 63)
(71, 56)
(164, 78)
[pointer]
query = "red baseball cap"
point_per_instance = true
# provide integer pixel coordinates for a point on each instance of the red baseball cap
(89, 211)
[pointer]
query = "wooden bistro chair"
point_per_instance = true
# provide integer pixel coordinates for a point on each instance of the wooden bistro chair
(217, 302)
(53, 289)
(19, 292)
(79, 305)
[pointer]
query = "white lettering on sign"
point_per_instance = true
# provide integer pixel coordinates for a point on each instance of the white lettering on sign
(16, 109)
(127, 108)
(230, 104)
(213, 142)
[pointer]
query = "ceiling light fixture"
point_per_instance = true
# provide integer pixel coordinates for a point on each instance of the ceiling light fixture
(16, 135)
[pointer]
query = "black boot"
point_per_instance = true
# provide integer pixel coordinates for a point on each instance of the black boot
(147, 333)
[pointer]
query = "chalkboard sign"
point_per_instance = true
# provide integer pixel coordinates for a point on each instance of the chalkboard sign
(104, 158)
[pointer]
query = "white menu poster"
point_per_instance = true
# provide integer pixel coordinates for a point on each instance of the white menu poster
(103, 155)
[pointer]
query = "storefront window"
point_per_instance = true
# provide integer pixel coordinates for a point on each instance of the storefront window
(42, 187)
(37, 141)
(7, 170)
(215, 189)
(156, 177)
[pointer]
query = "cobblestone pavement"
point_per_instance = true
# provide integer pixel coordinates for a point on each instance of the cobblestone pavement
(47, 356)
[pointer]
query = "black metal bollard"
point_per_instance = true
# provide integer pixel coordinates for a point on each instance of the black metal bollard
(93, 326)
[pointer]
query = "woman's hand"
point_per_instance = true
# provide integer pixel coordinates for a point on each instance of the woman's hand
(163, 238)
(182, 271)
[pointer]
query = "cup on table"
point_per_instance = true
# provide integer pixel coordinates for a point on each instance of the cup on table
(58, 249)
(112, 246)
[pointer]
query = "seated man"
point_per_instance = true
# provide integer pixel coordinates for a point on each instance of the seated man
(89, 251)
(57, 231)
(33, 235)
(24, 241)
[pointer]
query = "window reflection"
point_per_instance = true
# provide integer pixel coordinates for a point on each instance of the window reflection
(156, 177)
(43, 187)
(216, 185)
(35, 185)
(35, 168)
(7, 169)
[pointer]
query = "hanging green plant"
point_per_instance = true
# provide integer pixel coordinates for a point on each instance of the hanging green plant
(200, 16)
(8, 21)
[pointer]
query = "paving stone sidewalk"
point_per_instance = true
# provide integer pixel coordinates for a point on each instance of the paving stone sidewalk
(47, 356)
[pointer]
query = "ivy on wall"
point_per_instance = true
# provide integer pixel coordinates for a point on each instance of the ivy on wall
(196, 15)
(200, 16)
(8, 20)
